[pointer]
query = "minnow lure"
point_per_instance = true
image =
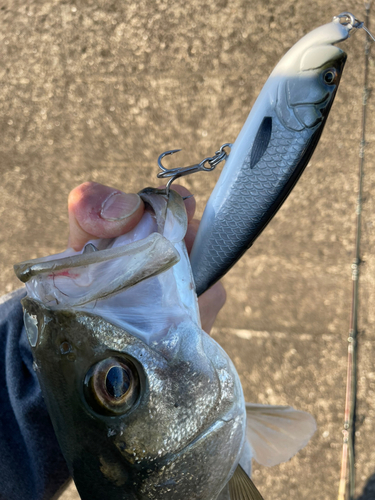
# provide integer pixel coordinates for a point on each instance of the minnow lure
(272, 149)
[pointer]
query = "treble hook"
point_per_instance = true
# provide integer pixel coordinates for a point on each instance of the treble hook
(175, 173)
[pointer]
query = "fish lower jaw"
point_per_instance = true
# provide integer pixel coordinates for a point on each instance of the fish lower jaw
(215, 427)
(164, 458)
(198, 467)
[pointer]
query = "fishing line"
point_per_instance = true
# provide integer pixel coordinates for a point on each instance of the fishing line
(347, 475)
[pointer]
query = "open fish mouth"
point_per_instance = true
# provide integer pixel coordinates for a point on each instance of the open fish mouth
(101, 278)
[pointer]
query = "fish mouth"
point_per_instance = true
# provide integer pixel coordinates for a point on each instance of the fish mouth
(195, 443)
(190, 446)
(68, 280)
(168, 458)
(163, 474)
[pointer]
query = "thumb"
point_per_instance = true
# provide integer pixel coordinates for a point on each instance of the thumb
(97, 211)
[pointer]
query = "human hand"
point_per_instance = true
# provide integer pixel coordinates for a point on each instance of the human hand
(98, 211)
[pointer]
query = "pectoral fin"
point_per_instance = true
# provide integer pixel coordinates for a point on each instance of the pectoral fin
(241, 486)
(276, 433)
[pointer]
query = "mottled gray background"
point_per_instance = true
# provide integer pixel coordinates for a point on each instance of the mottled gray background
(96, 90)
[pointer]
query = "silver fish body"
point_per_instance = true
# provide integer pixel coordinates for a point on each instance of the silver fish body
(270, 153)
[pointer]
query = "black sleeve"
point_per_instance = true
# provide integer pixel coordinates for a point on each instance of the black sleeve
(31, 464)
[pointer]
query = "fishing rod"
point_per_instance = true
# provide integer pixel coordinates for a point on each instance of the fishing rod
(347, 475)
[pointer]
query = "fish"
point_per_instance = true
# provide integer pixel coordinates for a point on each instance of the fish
(145, 405)
(272, 149)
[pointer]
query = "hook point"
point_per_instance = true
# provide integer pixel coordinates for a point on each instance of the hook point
(166, 153)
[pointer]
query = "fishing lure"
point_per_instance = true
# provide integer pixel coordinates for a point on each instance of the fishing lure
(271, 151)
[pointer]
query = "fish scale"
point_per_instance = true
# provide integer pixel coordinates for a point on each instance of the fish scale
(254, 190)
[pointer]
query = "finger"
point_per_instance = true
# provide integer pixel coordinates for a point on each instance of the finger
(210, 303)
(190, 203)
(191, 234)
(97, 211)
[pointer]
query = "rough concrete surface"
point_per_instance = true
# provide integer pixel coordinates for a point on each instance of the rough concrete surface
(96, 90)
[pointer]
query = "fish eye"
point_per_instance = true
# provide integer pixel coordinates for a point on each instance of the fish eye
(111, 386)
(117, 381)
(330, 76)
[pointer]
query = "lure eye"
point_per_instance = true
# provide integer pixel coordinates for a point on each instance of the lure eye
(111, 387)
(330, 76)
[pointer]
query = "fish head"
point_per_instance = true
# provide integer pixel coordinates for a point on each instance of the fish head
(308, 76)
(137, 421)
